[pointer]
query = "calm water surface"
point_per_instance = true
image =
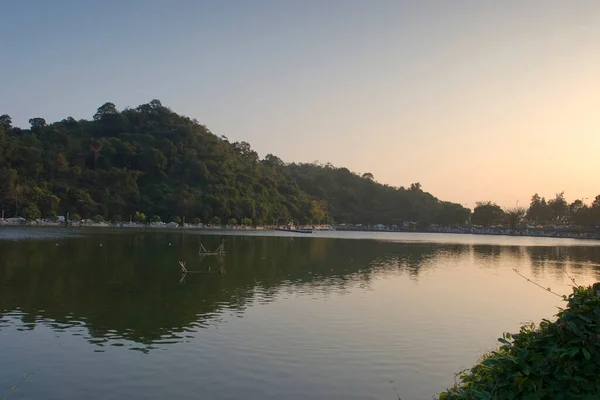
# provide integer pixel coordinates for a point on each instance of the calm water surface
(107, 314)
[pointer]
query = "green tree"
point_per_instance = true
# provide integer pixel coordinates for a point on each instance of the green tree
(452, 214)
(17, 194)
(273, 161)
(594, 211)
(37, 123)
(47, 202)
(579, 213)
(156, 218)
(515, 216)
(559, 207)
(318, 211)
(140, 217)
(232, 221)
(247, 221)
(75, 217)
(539, 212)
(487, 213)
(5, 122)
(368, 175)
(104, 110)
(31, 212)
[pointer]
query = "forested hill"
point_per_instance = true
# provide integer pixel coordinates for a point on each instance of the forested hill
(153, 161)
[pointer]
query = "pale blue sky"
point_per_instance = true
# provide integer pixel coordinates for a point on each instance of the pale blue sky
(474, 99)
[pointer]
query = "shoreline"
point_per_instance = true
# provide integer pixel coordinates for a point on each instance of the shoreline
(208, 228)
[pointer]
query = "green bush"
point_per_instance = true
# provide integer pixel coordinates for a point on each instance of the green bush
(247, 221)
(557, 360)
(31, 212)
(140, 217)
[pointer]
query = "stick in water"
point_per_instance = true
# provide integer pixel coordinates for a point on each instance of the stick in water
(183, 269)
(12, 389)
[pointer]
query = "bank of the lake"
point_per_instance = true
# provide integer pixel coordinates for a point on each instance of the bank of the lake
(557, 359)
(106, 312)
(241, 229)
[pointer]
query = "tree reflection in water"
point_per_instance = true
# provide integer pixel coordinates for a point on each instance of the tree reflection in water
(132, 287)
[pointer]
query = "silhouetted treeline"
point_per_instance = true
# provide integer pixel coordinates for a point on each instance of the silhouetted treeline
(556, 211)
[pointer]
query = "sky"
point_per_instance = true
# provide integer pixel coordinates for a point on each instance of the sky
(476, 100)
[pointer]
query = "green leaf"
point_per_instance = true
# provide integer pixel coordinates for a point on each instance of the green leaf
(573, 351)
(586, 353)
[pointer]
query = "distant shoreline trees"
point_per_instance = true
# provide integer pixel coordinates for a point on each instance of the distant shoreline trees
(556, 211)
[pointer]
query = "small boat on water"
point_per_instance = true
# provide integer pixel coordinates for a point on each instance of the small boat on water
(295, 230)
(291, 228)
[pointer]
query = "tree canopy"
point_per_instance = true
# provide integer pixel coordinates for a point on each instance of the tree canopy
(487, 214)
(150, 161)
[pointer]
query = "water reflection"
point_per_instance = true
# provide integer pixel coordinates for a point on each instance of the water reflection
(116, 288)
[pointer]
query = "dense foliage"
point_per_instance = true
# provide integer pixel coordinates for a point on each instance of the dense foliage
(556, 211)
(153, 164)
(559, 360)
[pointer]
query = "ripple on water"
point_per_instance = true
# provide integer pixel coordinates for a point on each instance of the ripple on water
(35, 232)
(414, 315)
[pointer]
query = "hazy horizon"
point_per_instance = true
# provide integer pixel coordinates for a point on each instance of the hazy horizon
(476, 101)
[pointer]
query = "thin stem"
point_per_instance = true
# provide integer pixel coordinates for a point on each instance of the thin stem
(12, 389)
(538, 285)
(395, 390)
(571, 278)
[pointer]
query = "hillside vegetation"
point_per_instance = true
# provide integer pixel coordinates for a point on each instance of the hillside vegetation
(153, 161)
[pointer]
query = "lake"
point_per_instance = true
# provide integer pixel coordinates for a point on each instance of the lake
(107, 314)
